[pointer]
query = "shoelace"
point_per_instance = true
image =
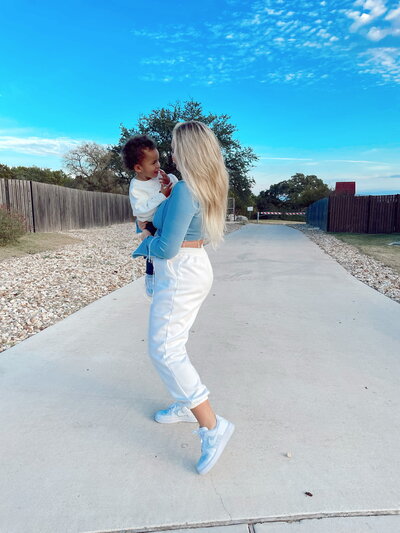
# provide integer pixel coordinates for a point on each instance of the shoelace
(204, 438)
(174, 408)
(177, 409)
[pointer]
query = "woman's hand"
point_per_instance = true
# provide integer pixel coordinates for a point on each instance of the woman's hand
(145, 233)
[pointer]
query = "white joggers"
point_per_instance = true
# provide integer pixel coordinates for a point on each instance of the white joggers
(180, 286)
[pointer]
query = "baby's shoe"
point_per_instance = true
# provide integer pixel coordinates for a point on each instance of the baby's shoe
(149, 285)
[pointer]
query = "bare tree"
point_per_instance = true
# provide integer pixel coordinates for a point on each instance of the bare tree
(89, 163)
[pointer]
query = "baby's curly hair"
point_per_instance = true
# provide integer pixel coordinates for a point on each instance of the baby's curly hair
(132, 151)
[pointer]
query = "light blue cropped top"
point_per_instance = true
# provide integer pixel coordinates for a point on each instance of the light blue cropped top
(177, 219)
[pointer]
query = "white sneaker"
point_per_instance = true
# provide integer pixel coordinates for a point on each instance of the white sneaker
(213, 442)
(174, 413)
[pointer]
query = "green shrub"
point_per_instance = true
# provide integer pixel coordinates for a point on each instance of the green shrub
(12, 226)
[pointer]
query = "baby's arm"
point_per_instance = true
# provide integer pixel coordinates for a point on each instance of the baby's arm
(143, 206)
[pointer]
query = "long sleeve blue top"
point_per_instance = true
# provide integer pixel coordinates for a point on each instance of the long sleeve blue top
(177, 219)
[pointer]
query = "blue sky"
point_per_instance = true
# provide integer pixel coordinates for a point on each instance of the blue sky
(312, 86)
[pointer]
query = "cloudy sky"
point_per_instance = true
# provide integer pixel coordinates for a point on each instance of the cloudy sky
(312, 86)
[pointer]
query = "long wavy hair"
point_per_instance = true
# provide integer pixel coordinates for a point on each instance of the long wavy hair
(198, 156)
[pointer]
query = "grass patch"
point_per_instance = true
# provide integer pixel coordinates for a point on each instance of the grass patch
(33, 243)
(376, 246)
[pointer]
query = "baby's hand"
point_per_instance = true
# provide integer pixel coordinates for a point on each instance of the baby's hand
(165, 179)
(166, 189)
(145, 233)
(142, 225)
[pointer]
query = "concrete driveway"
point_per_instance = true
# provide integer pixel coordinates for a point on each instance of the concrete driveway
(301, 356)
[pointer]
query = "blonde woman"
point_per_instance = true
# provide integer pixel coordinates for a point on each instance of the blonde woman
(196, 208)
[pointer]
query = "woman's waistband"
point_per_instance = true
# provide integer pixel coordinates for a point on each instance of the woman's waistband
(193, 244)
(192, 251)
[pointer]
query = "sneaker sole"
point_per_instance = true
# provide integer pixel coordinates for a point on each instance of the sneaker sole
(224, 441)
(175, 421)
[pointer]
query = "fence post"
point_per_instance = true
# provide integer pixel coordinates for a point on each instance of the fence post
(33, 208)
(328, 215)
(7, 190)
(396, 215)
(368, 213)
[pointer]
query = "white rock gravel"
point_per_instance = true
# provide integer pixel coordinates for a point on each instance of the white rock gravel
(367, 269)
(38, 290)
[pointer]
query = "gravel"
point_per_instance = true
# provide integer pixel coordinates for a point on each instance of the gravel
(363, 267)
(40, 289)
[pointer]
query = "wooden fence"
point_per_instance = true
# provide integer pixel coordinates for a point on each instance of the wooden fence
(357, 214)
(48, 207)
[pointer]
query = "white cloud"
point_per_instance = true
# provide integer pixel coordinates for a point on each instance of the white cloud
(376, 34)
(256, 20)
(323, 33)
(383, 27)
(384, 62)
(273, 12)
(351, 161)
(264, 32)
(394, 14)
(285, 158)
(375, 9)
(37, 145)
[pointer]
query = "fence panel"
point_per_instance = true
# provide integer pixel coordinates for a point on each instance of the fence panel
(383, 214)
(49, 207)
(16, 196)
(349, 214)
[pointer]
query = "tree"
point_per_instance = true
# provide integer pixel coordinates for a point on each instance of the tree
(298, 192)
(159, 125)
(90, 163)
(6, 172)
(266, 202)
(44, 175)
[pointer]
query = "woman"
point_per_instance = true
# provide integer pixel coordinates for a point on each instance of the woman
(183, 278)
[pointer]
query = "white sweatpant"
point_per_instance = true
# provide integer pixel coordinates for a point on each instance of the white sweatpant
(180, 286)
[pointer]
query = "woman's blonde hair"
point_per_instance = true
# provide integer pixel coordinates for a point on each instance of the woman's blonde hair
(199, 159)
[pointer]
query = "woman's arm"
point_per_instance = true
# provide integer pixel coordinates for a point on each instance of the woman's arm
(178, 216)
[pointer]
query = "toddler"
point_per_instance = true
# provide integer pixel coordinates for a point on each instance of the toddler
(148, 188)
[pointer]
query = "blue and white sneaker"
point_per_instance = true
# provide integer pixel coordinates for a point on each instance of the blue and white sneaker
(149, 285)
(213, 442)
(174, 413)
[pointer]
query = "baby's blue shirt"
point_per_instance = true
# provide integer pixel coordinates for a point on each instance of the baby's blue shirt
(177, 219)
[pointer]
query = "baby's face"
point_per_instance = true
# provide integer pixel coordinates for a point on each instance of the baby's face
(150, 164)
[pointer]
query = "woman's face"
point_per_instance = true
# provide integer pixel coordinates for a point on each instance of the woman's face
(173, 156)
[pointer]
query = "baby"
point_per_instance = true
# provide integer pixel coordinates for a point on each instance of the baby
(148, 189)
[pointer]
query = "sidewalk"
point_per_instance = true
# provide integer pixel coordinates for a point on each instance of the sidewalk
(300, 355)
